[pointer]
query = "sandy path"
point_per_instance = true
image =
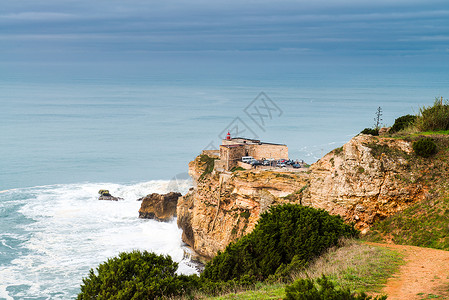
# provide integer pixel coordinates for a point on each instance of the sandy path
(425, 274)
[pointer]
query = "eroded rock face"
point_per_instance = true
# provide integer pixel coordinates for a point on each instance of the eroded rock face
(224, 207)
(159, 207)
(367, 179)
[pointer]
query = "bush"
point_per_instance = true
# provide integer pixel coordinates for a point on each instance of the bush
(209, 163)
(434, 118)
(234, 169)
(425, 147)
(305, 289)
(136, 275)
(402, 123)
(370, 131)
(287, 233)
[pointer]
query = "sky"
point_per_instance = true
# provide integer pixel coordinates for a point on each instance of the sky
(378, 31)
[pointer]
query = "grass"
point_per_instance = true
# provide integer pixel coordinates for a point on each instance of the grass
(296, 195)
(338, 150)
(441, 132)
(260, 291)
(378, 149)
(434, 117)
(235, 169)
(208, 163)
(358, 266)
(284, 175)
(424, 224)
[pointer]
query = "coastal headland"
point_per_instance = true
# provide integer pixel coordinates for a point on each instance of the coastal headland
(366, 180)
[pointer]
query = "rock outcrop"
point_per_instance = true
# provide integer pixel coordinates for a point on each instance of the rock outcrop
(159, 207)
(224, 206)
(367, 179)
(105, 195)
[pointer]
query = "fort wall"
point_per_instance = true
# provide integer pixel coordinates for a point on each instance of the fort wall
(232, 150)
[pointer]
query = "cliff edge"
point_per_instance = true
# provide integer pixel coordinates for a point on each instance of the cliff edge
(367, 179)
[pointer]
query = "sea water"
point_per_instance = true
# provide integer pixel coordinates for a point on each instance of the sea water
(52, 235)
(73, 131)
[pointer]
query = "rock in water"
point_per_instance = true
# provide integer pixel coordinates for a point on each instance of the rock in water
(105, 195)
(159, 207)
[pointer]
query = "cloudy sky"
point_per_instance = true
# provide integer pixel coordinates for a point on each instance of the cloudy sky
(357, 31)
(81, 30)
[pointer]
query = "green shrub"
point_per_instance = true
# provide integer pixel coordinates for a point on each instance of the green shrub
(209, 163)
(234, 169)
(402, 123)
(434, 118)
(286, 233)
(136, 275)
(306, 289)
(425, 147)
(370, 131)
(245, 214)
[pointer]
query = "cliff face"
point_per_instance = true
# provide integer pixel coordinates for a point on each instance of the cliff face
(367, 179)
(223, 207)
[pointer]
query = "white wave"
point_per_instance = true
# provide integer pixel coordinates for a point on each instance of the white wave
(4, 293)
(72, 231)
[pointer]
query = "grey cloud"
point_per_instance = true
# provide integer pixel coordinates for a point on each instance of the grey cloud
(336, 27)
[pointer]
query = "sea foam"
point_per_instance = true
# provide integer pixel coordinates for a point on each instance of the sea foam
(59, 232)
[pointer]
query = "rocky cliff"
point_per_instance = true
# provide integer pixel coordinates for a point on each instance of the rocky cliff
(367, 179)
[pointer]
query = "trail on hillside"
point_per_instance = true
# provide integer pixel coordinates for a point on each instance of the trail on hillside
(425, 274)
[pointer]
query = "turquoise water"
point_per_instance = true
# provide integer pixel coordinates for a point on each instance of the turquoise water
(74, 130)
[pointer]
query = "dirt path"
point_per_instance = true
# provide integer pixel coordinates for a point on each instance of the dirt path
(425, 274)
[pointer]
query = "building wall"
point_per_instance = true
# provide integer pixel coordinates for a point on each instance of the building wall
(231, 155)
(270, 151)
(244, 165)
(235, 141)
(211, 153)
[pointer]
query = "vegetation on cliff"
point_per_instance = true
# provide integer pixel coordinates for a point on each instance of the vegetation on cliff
(286, 237)
(352, 265)
(425, 147)
(207, 163)
(433, 118)
(370, 131)
(322, 288)
(402, 123)
(425, 223)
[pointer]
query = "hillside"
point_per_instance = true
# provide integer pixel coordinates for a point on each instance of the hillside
(425, 223)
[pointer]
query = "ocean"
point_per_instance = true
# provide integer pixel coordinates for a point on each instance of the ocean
(68, 131)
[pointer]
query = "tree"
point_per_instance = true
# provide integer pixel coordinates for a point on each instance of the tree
(378, 118)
